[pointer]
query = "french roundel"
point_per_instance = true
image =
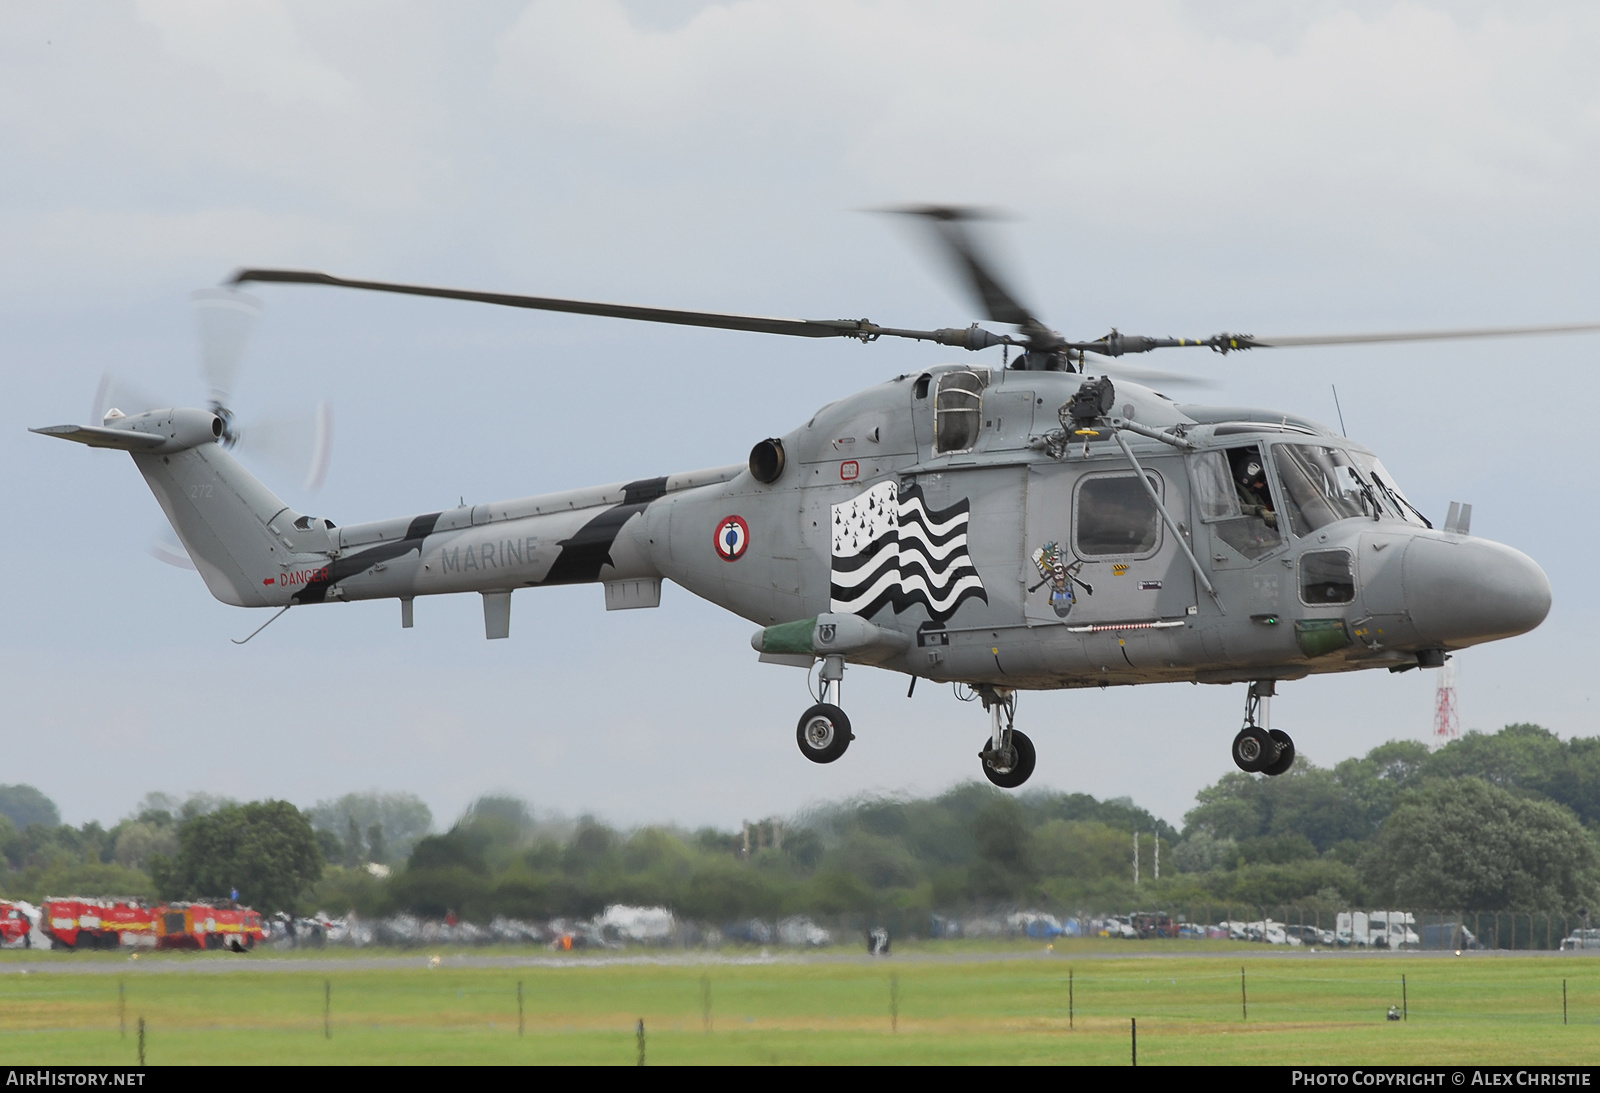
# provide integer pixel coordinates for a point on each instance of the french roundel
(733, 535)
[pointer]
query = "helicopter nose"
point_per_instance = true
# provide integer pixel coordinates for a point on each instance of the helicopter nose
(1463, 591)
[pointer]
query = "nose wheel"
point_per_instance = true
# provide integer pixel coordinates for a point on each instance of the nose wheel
(1259, 749)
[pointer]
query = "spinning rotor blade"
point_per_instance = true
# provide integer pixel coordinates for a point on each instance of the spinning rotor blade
(1419, 335)
(224, 319)
(298, 444)
(166, 548)
(863, 329)
(115, 393)
(1000, 304)
(1045, 346)
(1117, 344)
(1147, 377)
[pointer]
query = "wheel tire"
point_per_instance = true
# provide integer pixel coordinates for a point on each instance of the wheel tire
(1253, 750)
(1019, 770)
(823, 733)
(1285, 758)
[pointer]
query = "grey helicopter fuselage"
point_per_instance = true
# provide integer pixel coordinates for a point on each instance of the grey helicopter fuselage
(943, 524)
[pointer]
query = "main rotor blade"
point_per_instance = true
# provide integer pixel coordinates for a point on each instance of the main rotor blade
(1000, 304)
(865, 330)
(1117, 344)
(1145, 376)
(1420, 335)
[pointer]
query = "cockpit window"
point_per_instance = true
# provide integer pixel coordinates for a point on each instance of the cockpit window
(1322, 485)
(957, 411)
(1232, 495)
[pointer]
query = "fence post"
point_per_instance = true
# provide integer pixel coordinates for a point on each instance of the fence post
(1070, 1005)
(894, 1003)
(639, 1031)
(141, 1041)
(1405, 1001)
(705, 1003)
(122, 1007)
(327, 1009)
(519, 1008)
(1244, 999)
(1135, 1033)
(1563, 1001)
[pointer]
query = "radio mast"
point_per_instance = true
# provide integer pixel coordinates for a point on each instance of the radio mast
(1446, 725)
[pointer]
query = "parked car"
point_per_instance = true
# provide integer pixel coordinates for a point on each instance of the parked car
(1311, 935)
(1117, 926)
(1581, 939)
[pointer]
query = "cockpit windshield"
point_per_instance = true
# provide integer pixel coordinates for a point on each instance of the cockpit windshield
(1397, 502)
(1324, 484)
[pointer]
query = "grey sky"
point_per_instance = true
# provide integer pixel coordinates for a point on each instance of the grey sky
(1173, 169)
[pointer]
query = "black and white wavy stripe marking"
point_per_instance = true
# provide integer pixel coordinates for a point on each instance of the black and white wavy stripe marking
(891, 550)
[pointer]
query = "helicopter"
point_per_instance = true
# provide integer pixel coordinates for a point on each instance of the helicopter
(1048, 524)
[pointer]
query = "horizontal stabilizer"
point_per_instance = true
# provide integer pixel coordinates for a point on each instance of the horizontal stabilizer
(95, 437)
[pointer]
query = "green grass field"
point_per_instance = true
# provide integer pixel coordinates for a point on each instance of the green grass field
(933, 1003)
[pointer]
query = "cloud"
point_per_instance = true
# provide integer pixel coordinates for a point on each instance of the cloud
(1147, 114)
(96, 249)
(250, 45)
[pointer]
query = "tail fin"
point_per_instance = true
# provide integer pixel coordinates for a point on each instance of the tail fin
(240, 535)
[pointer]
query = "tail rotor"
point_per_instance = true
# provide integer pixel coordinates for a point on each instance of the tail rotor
(295, 444)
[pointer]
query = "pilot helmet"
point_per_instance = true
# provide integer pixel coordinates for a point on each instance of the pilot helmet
(1251, 473)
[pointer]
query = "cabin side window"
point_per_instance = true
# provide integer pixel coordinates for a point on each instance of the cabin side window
(1327, 576)
(1232, 495)
(1115, 518)
(957, 412)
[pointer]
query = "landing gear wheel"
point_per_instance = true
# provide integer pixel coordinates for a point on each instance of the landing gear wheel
(823, 733)
(1013, 764)
(1253, 749)
(1285, 758)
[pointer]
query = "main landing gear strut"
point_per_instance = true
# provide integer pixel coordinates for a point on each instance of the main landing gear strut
(1259, 748)
(1009, 758)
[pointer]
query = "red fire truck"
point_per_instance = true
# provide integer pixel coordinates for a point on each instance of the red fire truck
(220, 924)
(15, 925)
(80, 922)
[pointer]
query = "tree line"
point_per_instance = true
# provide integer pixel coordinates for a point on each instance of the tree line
(1488, 822)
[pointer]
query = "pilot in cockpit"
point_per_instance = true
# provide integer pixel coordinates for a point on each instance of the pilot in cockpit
(1250, 480)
